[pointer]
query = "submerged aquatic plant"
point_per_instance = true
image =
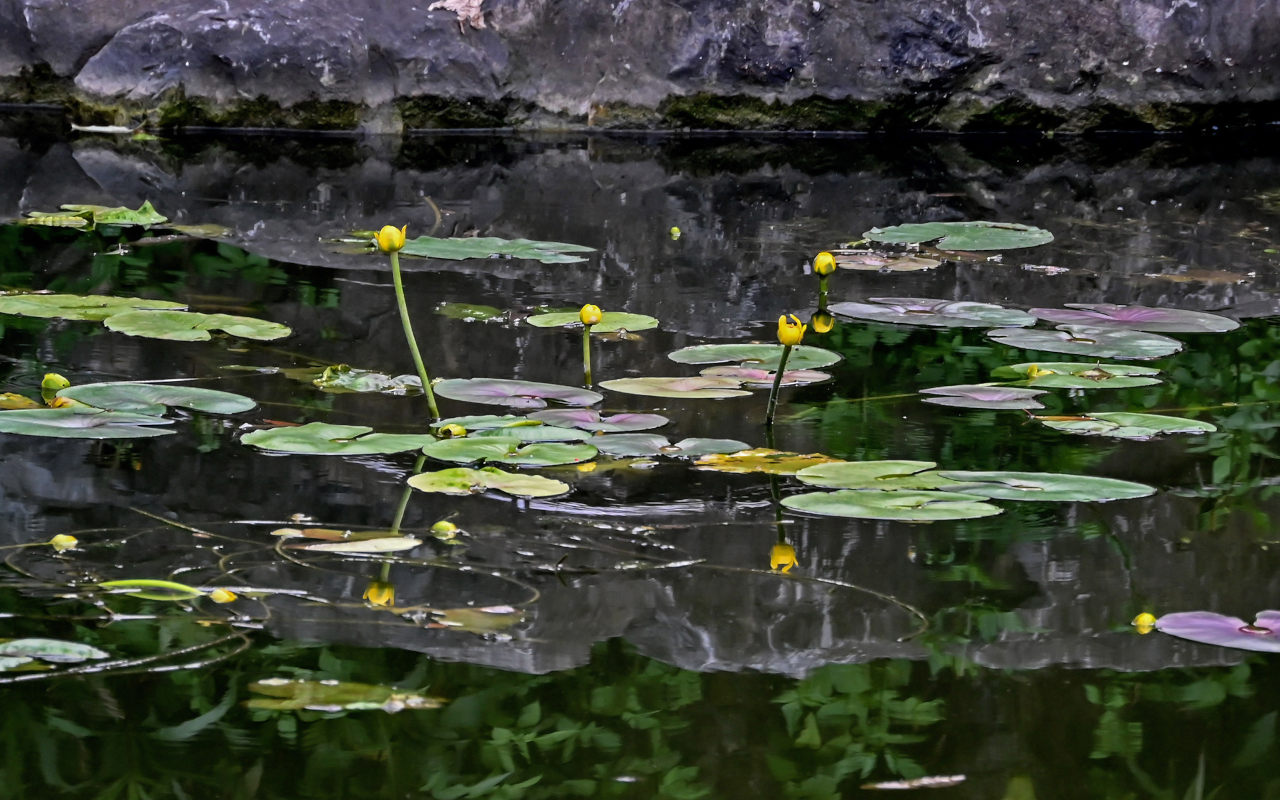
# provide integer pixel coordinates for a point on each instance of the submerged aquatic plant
(790, 334)
(390, 240)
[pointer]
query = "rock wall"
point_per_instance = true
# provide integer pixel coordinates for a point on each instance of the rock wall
(384, 65)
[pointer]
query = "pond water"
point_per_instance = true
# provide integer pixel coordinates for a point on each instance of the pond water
(630, 638)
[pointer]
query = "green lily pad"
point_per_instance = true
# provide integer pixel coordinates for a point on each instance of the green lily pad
(984, 395)
(760, 378)
(94, 307)
(682, 387)
(155, 398)
(284, 694)
(609, 321)
(1046, 486)
(144, 214)
(81, 423)
(696, 447)
(321, 438)
(590, 420)
(976, 235)
(55, 651)
(934, 313)
(878, 262)
(511, 451)
(516, 394)
(152, 589)
(341, 378)
(464, 480)
(484, 422)
(1070, 375)
(459, 249)
(1090, 341)
(476, 619)
(12, 662)
(469, 312)
(190, 326)
(1137, 318)
(905, 506)
(912, 475)
(1126, 425)
(763, 459)
(630, 445)
(762, 355)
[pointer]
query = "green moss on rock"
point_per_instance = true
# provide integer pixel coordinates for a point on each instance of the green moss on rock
(471, 112)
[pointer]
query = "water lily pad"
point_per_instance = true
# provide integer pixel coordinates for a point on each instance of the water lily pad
(763, 459)
(190, 326)
(81, 423)
(155, 398)
(682, 387)
(879, 262)
(53, 650)
(534, 433)
(516, 394)
(152, 589)
(12, 662)
(1137, 318)
(630, 445)
(464, 480)
(144, 214)
(764, 356)
(590, 420)
(1046, 486)
(1126, 424)
(1090, 341)
(609, 321)
(1071, 375)
(933, 313)
(976, 235)
(512, 451)
(760, 378)
(94, 307)
(382, 544)
(469, 312)
(476, 619)
(984, 395)
(1206, 627)
(10, 401)
(461, 248)
(341, 378)
(696, 446)
(905, 506)
(321, 438)
(283, 694)
(911, 475)
(484, 422)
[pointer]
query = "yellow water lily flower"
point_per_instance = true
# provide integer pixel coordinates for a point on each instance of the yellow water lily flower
(64, 542)
(52, 381)
(1144, 622)
(452, 431)
(782, 557)
(390, 238)
(590, 315)
(790, 331)
(824, 263)
(222, 596)
(822, 321)
(380, 593)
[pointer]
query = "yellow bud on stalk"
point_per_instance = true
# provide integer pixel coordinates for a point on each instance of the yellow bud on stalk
(390, 238)
(590, 314)
(824, 264)
(790, 331)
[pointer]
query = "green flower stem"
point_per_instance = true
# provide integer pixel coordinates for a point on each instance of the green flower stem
(404, 499)
(408, 335)
(777, 383)
(822, 292)
(586, 355)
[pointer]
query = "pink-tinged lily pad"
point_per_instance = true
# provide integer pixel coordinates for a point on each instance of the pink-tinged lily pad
(1072, 375)
(1090, 340)
(984, 395)
(682, 387)
(934, 313)
(1207, 627)
(1137, 318)
(515, 394)
(764, 378)
(764, 355)
(589, 420)
(868, 260)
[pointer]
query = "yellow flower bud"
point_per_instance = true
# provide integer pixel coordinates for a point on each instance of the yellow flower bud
(824, 264)
(790, 331)
(1144, 622)
(452, 431)
(444, 528)
(64, 542)
(53, 382)
(222, 596)
(380, 593)
(590, 314)
(390, 238)
(822, 321)
(782, 557)
(675, 232)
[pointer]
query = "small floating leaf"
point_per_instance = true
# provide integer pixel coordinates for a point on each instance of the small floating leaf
(282, 694)
(94, 308)
(878, 262)
(912, 475)
(384, 544)
(190, 326)
(609, 321)
(155, 398)
(764, 356)
(512, 451)
(464, 480)
(458, 249)
(469, 312)
(53, 650)
(1127, 425)
(484, 619)
(975, 235)
(695, 447)
(145, 214)
(516, 394)
(764, 378)
(1046, 486)
(682, 387)
(906, 506)
(81, 423)
(321, 438)
(984, 395)
(933, 312)
(1069, 375)
(1137, 318)
(152, 589)
(630, 445)
(763, 459)
(1207, 627)
(589, 420)
(1090, 341)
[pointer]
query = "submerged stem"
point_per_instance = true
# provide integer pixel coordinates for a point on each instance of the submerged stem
(408, 335)
(586, 355)
(777, 382)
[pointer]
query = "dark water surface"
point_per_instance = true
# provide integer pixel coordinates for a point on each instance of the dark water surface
(634, 642)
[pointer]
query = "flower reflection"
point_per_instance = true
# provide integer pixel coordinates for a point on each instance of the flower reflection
(782, 557)
(380, 593)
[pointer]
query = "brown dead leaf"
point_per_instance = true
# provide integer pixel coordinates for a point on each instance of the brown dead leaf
(467, 11)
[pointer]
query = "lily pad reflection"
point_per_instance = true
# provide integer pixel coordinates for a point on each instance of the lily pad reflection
(1207, 627)
(1075, 375)
(515, 394)
(1138, 318)
(1092, 341)
(984, 396)
(764, 356)
(934, 313)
